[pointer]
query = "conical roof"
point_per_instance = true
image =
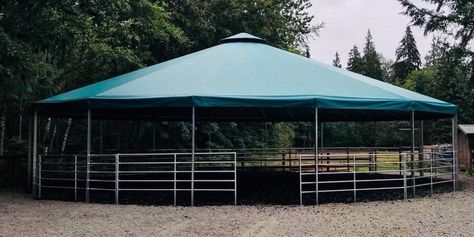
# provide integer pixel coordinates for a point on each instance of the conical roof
(245, 72)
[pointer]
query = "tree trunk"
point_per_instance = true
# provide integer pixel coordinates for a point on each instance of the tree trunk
(51, 141)
(3, 119)
(46, 130)
(66, 134)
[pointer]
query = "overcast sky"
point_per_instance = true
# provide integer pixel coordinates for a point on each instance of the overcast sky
(347, 21)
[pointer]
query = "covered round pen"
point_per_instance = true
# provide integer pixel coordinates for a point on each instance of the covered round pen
(244, 79)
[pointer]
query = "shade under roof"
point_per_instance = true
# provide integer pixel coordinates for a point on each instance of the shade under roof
(244, 78)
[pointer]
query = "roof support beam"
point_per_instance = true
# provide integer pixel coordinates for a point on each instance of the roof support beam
(316, 151)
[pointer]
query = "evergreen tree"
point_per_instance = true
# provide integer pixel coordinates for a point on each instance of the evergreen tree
(337, 62)
(355, 63)
(451, 17)
(407, 57)
(387, 68)
(371, 61)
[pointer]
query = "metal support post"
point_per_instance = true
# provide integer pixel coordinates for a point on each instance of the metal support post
(405, 193)
(88, 154)
(75, 178)
(174, 179)
(412, 143)
(431, 173)
(235, 178)
(317, 180)
(316, 151)
(39, 176)
(192, 154)
(301, 185)
(117, 165)
(354, 174)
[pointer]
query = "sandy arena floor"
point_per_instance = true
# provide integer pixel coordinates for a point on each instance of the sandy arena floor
(448, 214)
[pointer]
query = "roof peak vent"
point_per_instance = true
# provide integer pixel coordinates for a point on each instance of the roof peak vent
(243, 37)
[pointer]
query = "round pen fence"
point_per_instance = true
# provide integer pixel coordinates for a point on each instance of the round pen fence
(174, 173)
(176, 179)
(359, 172)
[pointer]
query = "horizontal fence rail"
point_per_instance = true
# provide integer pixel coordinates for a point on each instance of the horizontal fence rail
(405, 171)
(167, 172)
(334, 170)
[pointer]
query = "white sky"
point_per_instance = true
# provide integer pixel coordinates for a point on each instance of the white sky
(347, 21)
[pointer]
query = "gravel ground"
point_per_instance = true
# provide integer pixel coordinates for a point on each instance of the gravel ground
(447, 214)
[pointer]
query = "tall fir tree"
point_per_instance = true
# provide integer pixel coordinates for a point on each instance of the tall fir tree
(355, 63)
(407, 57)
(371, 61)
(337, 61)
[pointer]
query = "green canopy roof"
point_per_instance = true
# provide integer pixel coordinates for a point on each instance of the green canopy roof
(244, 78)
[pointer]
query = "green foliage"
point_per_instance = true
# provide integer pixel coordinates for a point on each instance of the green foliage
(285, 24)
(337, 62)
(355, 62)
(283, 135)
(372, 65)
(421, 81)
(470, 172)
(450, 17)
(48, 47)
(408, 57)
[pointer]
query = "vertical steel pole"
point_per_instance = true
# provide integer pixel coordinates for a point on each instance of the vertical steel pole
(235, 178)
(88, 154)
(75, 178)
(317, 180)
(192, 154)
(316, 151)
(39, 176)
(117, 165)
(174, 179)
(431, 172)
(301, 185)
(405, 193)
(354, 174)
(454, 144)
(413, 150)
(34, 150)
